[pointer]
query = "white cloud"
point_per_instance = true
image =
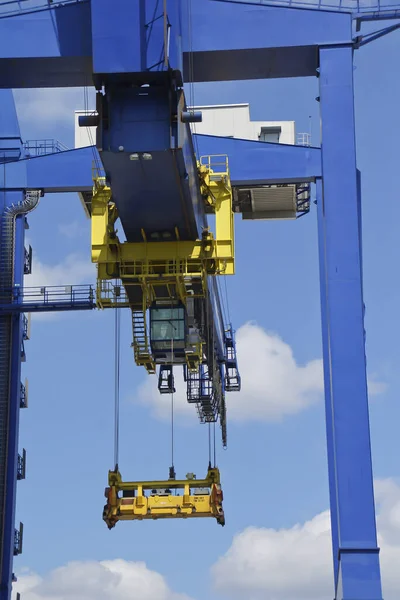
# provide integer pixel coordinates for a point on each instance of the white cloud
(296, 563)
(74, 229)
(274, 385)
(73, 270)
(105, 580)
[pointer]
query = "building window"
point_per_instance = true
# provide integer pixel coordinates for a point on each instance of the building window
(270, 134)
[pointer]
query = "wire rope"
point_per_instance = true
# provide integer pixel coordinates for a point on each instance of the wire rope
(117, 351)
(172, 470)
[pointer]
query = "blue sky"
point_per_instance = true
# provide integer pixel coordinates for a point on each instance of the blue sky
(274, 471)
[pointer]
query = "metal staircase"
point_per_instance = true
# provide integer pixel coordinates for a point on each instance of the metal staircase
(232, 376)
(141, 349)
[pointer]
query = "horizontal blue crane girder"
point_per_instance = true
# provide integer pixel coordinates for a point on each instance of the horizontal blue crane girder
(69, 171)
(56, 53)
(227, 41)
(250, 163)
(238, 41)
(261, 163)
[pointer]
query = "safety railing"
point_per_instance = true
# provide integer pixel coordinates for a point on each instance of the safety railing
(35, 148)
(47, 298)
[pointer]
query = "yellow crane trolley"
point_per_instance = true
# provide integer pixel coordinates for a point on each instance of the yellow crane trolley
(162, 500)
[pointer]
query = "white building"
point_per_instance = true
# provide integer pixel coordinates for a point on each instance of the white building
(233, 120)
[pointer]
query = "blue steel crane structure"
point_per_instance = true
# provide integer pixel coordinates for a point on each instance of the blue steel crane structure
(139, 54)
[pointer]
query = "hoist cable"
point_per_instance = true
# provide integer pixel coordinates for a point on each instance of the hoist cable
(209, 443)
(117, 346)
(172, 402)
(215, 448)
(227, 300)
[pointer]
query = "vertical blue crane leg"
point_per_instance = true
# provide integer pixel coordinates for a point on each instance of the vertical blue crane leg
(11, 330)
(327, 377)
(349, 452)
(13, 412)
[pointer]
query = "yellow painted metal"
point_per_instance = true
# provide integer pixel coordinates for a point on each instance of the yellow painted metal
(136, 504)
(163, 271)
(143, 260)
(216, 189)
(105, 243)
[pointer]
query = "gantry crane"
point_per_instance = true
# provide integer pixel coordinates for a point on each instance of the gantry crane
(140, 55)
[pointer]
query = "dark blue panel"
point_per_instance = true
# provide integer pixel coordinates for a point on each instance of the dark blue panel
(69, 171)
(152, 194)
(139, 119)
(74, 71)
(344, 348)
(149, 160)
(258, 63)
(228, 40)
(261, 163)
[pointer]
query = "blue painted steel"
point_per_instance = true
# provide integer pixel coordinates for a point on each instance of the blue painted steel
(349, 451)
(327, 382)
(132, 36)
(49, 56)
(148, 157)
(250, 163)
(353, 6)
(13, 413)
(258, 42)
(259, 163)
(123, 38)
(69, 171)
(11, 329)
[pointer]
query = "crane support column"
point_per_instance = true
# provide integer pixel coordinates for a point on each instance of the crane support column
(11, 332)
(356, 554)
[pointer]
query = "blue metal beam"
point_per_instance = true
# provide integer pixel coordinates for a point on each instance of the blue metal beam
(261, 163)
(10, 440)
(356, 557)
(129, 37)
(237, 41)
(250, 163)
(69, 171)
(11, 332)
(49, 56)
